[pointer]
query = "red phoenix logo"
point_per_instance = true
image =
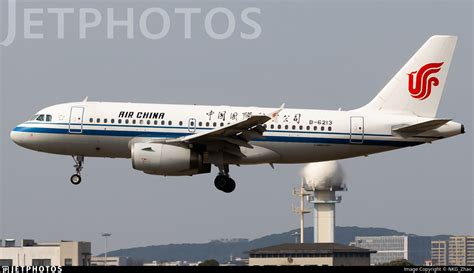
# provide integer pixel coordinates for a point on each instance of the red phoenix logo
(421, 89)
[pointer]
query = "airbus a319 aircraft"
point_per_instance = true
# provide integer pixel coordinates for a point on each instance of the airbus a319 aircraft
(178, 140)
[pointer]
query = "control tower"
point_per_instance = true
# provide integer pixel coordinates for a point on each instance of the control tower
(323, 180)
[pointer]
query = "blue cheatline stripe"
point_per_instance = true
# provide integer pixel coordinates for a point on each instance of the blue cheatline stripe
(89, 132)
(198, 128)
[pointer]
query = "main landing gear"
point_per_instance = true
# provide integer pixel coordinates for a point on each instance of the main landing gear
(223, 182)
(76, 178)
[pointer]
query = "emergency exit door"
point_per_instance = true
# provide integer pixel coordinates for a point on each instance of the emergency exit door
(192, 125)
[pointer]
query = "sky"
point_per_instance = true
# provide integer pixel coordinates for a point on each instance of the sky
(309, 54)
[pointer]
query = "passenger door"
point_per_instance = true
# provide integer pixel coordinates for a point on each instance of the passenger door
(76, 119)
(357, 130)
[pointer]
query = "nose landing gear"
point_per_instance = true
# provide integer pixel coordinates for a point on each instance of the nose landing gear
(76, 178)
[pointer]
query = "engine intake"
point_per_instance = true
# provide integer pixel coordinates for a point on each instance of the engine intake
(165, 159)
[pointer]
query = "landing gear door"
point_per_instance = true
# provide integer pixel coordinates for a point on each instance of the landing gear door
(75, 120)
(357, 130)
(192, 125)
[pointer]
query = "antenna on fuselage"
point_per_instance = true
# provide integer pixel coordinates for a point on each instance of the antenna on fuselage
(85, 99)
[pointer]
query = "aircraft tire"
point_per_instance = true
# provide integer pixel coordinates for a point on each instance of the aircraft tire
(76, 179)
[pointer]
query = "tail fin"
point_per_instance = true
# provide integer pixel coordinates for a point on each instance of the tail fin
(417, 88)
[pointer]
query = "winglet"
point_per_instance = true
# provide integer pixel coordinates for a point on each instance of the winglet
(273, 115)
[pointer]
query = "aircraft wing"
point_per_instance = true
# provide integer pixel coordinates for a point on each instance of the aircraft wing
(230, 138)
(418, 128)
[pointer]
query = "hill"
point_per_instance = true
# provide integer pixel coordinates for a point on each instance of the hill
(221, 250)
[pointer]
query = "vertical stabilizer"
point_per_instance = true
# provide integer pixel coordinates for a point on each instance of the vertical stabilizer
(417, 88)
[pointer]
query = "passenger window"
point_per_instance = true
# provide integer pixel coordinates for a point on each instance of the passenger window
(207, 124)
(181, 123)
(286, 126)
(170, 123)
(112, 121)
(308, 127)
(200, 123)
(294, 127)
(40, 118)
(214, 124)
(329, 128)
(301, 127)
(315, 128)
(272, 126)
(222, 124)
(156, 122)
(119, 121)
(134, 121)
(148, 122)
(91, 120)
(126, 121)
(279, 126)
(105, 120)
(162, 122)
(141, 121)
(322, 128)
(98, 120)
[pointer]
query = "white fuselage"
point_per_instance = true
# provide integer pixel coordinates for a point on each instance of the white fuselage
(103, 129)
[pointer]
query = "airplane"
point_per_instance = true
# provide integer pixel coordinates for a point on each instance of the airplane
(185, 140)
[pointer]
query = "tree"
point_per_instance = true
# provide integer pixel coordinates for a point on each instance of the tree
(210, 262)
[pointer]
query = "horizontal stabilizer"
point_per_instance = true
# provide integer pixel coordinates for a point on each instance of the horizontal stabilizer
(416, 129)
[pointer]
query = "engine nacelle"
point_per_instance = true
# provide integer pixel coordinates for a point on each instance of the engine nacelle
(165, 159)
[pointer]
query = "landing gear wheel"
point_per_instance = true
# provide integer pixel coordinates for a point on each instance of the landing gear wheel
(220, 182)
(230, 186)
(224, 183)
(76, 179)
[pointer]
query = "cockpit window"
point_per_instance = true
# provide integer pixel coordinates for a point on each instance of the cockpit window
(34, 117)
(49, 117)
(40, 118)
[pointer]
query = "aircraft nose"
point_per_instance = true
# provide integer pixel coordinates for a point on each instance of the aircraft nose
(15, 137)
(23, 139)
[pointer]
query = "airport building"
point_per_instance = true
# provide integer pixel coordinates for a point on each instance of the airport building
(171, 263)
(439, 253)
(319, 254)
(31, 253)
(389, 248)
(111, 261)
(461, 250)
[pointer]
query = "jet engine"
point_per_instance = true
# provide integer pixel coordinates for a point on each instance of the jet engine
(168, 160)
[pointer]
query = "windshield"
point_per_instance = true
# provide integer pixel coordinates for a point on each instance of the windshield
(42, 117)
